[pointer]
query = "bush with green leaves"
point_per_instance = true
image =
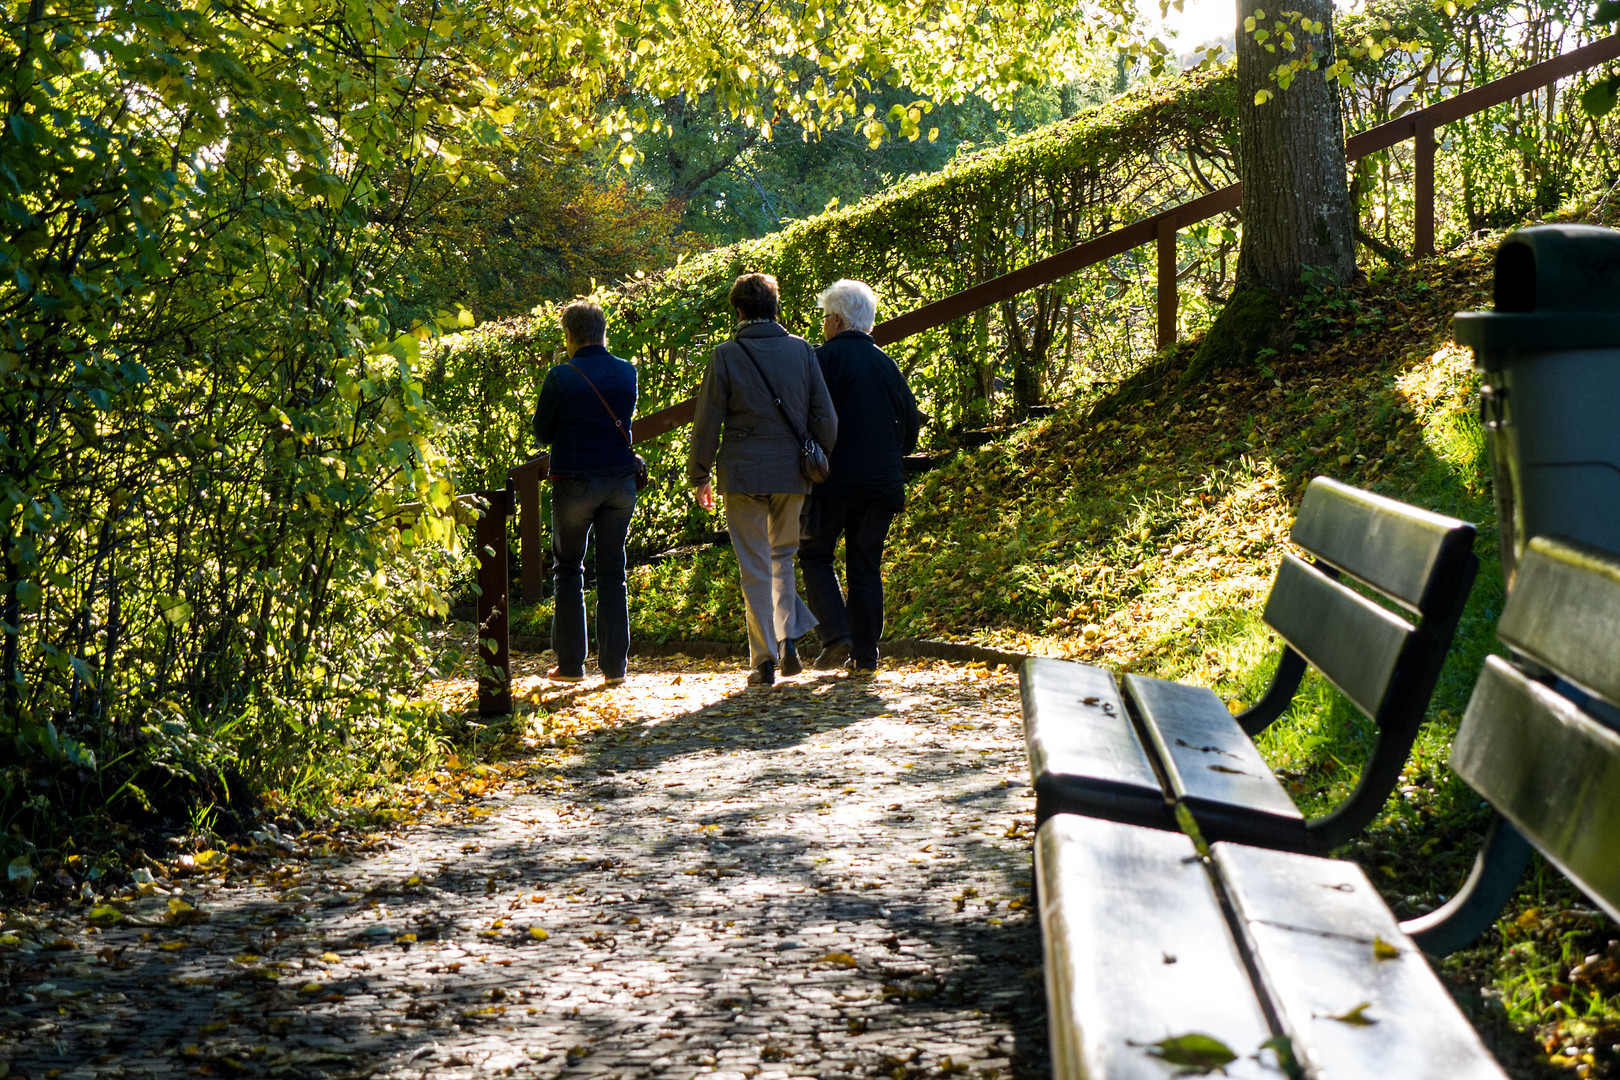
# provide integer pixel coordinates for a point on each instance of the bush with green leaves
(985, 214)
(209, 420)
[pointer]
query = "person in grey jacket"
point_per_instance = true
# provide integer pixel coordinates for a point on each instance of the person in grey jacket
(740, 428)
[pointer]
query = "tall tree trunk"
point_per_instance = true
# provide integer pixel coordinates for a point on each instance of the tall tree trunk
(1296, 202)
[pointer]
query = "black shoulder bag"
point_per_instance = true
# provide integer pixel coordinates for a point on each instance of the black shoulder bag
(641, 463)
(813, 465)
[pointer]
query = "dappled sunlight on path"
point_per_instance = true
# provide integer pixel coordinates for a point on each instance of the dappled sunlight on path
(828, 878)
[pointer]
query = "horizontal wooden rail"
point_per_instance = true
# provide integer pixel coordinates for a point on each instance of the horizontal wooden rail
(663, 421)
(1147, 230)
(523, 481)
(1049, 269)
(1496, 92)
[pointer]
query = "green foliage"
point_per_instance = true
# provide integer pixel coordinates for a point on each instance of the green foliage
(993, 211)
(210, 416)
(982, 215)
(737, 185)
(491, 244)
(1516, 160)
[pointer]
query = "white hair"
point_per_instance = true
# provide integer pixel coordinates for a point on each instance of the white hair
(851, 300)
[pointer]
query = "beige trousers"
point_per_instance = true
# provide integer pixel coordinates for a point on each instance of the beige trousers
(765, 535)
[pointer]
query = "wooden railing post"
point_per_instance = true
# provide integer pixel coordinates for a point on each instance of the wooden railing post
(1423, 208)
(494, 639)
(533, 551)
(1167, 300)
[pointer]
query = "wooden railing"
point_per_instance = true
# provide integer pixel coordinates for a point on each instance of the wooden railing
(523, 482)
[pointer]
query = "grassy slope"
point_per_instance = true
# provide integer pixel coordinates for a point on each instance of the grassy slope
(1142, 534)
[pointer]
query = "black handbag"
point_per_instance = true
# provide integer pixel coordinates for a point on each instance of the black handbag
(813, 464)
(642, 476)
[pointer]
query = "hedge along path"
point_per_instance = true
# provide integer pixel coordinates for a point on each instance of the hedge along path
(822, 879)
(928, 237)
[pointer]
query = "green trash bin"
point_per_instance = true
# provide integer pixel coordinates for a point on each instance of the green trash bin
(1550, 394)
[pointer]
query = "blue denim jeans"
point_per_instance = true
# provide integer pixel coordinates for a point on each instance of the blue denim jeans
(579, 507)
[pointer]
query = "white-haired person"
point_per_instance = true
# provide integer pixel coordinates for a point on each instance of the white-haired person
(878, 424)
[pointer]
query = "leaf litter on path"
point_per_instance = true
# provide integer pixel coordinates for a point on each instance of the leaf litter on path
(687, 864)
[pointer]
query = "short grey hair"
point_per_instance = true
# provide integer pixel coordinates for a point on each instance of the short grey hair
(851, 300)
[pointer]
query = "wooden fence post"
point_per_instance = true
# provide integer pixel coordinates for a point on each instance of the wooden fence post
(494, 638)
(1166, 230)
(532, 548)
(1423, 208)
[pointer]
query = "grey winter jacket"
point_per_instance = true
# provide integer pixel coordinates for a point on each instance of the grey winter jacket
(739, 428)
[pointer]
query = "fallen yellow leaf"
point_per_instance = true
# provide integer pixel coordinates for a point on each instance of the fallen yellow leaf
(104, 916)
(842, 959)
(1356, 1016)
(181, 913)
(330, 957)
(1383, 950)
(210, 859)
(538, 934)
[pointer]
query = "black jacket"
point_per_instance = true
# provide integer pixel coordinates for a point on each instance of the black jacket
(878, 421)
(574, 423)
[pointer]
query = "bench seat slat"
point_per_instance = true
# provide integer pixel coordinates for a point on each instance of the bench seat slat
(1084, 753)
(1389, 545)
(1213, 767)
(1571, 617)
(1310, 925)
(1550, 769)
(1137, 950)
(1348, 638)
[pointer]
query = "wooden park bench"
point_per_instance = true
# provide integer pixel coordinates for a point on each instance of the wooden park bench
(1161, 958)
(1136, 757)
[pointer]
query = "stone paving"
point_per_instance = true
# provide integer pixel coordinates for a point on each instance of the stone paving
(828, 878)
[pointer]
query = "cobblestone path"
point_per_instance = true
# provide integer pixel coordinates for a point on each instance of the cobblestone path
(824, 879)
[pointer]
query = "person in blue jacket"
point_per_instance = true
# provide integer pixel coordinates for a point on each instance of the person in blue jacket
(878, 425)
(583, 415)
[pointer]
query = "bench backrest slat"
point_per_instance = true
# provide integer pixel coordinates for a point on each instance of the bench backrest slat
(1387, 545)
(1355, 643)
(1549, 768)
(1564, 613)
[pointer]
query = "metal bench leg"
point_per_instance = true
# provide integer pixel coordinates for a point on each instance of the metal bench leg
(1497, 869)
(1278, 696)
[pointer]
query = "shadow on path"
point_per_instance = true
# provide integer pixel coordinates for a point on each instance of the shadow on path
(824, 879)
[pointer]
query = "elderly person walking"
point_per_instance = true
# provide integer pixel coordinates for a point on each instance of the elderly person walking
(584, 415)
(878, 423)
(762, 391)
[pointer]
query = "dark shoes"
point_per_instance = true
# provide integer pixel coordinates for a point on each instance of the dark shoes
(764, 675)
(790, 658)
(834, 655)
